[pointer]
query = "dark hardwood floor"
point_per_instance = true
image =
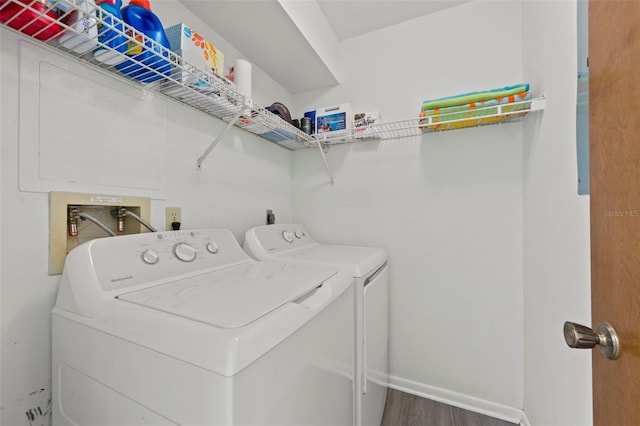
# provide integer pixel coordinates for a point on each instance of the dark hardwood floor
(402, 409)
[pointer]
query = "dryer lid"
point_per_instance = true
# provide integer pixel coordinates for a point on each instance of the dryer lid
(233, 297)
(360, 261)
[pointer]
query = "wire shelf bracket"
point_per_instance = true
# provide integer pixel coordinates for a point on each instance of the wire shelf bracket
(218, 138)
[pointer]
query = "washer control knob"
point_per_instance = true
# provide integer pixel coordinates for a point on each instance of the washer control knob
(184, 252)
(150, 256)
(288, 236)
(299, 234)
(212, 247)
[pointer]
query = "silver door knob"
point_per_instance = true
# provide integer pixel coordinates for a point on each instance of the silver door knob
(582, 337)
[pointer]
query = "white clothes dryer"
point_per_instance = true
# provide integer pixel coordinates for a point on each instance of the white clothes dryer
(291, 242)
(184, 328)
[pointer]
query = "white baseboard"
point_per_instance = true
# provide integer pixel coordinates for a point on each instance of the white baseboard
(524, 421)
(477, 405)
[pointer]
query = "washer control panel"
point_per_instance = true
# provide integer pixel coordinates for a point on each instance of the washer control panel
(131, 260)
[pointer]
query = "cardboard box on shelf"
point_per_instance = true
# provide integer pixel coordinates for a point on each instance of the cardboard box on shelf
(364, 124)
(195, 50)
(365, 119)
(334, 119)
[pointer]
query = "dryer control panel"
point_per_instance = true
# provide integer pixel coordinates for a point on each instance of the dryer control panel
(278, 237)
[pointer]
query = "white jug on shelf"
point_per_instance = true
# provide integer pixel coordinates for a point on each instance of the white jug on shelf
(82, 34)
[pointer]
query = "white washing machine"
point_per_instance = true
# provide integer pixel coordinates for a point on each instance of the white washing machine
(184, 328)
(368, 266)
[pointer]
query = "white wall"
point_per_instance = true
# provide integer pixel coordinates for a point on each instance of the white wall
(557, 381)
(446, 206)
(240, 179)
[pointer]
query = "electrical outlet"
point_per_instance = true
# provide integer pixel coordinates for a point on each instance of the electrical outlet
(174, 214)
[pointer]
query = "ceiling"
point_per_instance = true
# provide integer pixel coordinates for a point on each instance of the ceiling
(351, 18)
(296, 41)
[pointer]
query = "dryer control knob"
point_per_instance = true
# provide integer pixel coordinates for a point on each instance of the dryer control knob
(184, 252)
(212, 248)
(299, 234)
(150, 256)
(288, 236)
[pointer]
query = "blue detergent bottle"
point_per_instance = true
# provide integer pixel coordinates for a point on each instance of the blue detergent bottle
(138, 14)
(110, 33)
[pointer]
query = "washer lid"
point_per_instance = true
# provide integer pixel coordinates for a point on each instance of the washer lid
(233, 297)
(360, 261)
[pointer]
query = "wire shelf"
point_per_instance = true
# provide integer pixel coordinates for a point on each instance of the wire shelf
(482, 116)
(165, 72)
(159, 69)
